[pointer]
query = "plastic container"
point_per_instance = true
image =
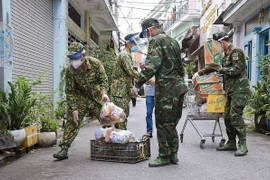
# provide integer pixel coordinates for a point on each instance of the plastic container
(131, 152)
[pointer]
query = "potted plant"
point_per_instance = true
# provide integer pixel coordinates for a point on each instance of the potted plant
(48, 132)
(259, 102)
(43, 111)
(6, 138)
(18, 104)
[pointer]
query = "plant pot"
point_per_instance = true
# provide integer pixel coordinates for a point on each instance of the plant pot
(260, 125)
(46, 139)
(19, 136)
(7, 142)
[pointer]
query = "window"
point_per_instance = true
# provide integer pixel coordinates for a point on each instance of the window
(74, 15)
(264, 49)
(94, 36)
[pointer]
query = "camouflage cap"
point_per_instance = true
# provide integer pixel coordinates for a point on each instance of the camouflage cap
(217, 36)
(147, 23)
(75, 47)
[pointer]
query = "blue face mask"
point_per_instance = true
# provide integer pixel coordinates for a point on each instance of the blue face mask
(134, 49)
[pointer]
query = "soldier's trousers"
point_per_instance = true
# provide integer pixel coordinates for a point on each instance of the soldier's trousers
(85, 105)
(122, 102)
(168, 112)
(235, 125)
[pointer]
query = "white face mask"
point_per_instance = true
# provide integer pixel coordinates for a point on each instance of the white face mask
(76, 63)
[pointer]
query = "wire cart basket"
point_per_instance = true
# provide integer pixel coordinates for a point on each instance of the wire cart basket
(194, 102)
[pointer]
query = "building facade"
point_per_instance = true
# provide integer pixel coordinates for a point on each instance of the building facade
(42, 30)
(251, 20)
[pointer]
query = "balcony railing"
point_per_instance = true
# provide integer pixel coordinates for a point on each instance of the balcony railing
(180, 12)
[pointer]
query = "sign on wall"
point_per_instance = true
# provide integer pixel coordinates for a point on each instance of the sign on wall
(6, 45)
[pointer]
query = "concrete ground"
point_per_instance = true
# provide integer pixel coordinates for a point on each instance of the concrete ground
(195, 163)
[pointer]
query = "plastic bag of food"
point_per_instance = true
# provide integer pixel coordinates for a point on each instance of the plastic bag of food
(111, 114)
(103, 134)
(122, 136)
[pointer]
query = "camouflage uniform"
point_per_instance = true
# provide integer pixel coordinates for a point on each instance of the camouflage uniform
(84, 88)
(164, 62)
(122, 78)
(237, 91)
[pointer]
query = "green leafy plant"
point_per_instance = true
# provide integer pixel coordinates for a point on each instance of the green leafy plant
(108, 58)
(43, 112)
(61, 109)
(4, 118)
(259, 102)
(18, 103)
(191, 68)
(49, 125)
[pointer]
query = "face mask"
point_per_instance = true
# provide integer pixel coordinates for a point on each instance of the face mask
(76, 63)
(134, 49)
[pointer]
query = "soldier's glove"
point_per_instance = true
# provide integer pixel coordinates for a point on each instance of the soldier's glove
(76, 117)
(217, 67)
(105, 98)
(194, 76)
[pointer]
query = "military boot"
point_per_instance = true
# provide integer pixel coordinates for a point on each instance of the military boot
(61, 155)
(174, 158)
(229, 146)
(242, 149)
(160, 161)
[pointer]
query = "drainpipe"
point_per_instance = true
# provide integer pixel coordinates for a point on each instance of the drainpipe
(59, 44)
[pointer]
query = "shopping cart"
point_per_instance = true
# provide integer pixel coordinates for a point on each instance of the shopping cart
(194, 103)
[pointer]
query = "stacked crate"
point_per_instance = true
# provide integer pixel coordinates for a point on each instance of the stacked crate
(209, 84)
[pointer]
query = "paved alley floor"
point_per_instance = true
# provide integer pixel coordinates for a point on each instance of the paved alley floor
(195, 163)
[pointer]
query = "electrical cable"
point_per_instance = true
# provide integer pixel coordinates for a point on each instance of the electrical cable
(149, 9)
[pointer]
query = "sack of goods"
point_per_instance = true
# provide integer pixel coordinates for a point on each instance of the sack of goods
(111, 114)
(114, 135)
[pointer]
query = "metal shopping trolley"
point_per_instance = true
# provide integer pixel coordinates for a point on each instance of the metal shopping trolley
(194, 103)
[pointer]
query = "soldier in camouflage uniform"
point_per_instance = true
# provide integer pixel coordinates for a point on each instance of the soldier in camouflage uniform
(122, 78)
(164, 62)
(86, 87)
(237, 91)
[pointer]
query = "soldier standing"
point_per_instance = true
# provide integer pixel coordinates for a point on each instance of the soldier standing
(237, 91)
(164, 62)
(122, 78)
(86, 87)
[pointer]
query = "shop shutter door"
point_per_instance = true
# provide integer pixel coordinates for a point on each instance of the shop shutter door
(32, 23)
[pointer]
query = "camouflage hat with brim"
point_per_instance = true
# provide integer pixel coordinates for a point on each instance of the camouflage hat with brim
(147, 23)
(220, 36)
(75, 47)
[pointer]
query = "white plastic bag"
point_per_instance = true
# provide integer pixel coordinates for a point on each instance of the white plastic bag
(114, 135)
(111, 114)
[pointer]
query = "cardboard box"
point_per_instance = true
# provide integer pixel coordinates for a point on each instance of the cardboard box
(31, 136)
(207, 91)
(206, 79)
(212, 52)
(215, 103)
(209, 86)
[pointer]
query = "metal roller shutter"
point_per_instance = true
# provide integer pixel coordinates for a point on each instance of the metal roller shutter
(32, 22)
